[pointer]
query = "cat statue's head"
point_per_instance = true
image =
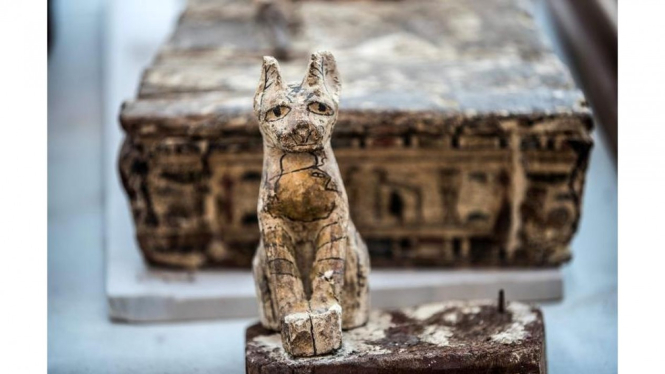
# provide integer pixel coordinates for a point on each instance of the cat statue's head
(298, 117)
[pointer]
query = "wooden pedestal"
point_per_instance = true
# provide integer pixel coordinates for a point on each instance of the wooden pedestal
(450, 337)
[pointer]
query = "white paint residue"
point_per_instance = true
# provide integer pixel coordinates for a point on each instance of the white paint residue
(296, 317)
(512, 334)
(375, 328)
(437, 335)
(522, 316)
(450, 317)
(471, 309)
(336, 308)
(521, 313)
(426, 311)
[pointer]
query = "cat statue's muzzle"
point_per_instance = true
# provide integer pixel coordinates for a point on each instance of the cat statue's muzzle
(303, 137)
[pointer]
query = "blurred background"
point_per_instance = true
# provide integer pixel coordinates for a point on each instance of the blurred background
(97, 51)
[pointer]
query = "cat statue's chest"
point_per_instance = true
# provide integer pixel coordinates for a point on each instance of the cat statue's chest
(303, 191)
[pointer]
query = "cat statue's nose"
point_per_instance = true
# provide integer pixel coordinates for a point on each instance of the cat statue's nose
(301, 132)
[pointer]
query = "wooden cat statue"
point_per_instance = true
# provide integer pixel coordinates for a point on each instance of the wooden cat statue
(311, 266)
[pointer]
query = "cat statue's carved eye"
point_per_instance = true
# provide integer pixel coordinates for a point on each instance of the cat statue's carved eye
(320, 108)
(278, 112)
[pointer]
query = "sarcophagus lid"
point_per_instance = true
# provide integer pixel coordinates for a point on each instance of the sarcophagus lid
(461, 137)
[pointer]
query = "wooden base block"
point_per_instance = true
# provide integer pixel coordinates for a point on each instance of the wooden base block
(450, 337)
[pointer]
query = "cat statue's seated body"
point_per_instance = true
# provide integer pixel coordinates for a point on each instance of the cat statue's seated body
(311, 267)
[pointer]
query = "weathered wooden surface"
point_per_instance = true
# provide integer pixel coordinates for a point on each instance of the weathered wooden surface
(452, 337)
(461, 138)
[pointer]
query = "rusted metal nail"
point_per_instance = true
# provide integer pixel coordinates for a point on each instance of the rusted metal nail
(502, 302)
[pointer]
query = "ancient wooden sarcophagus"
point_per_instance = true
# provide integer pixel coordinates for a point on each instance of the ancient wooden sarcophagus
(461, 138)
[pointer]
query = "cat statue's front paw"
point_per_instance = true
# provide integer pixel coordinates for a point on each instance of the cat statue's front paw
(297, 334)
(327, 328)
(312, 333)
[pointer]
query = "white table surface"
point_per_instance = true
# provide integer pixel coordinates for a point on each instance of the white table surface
(96, 62)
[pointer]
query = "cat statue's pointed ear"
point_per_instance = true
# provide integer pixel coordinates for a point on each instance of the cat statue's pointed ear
(271, 81)
(323, 73)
